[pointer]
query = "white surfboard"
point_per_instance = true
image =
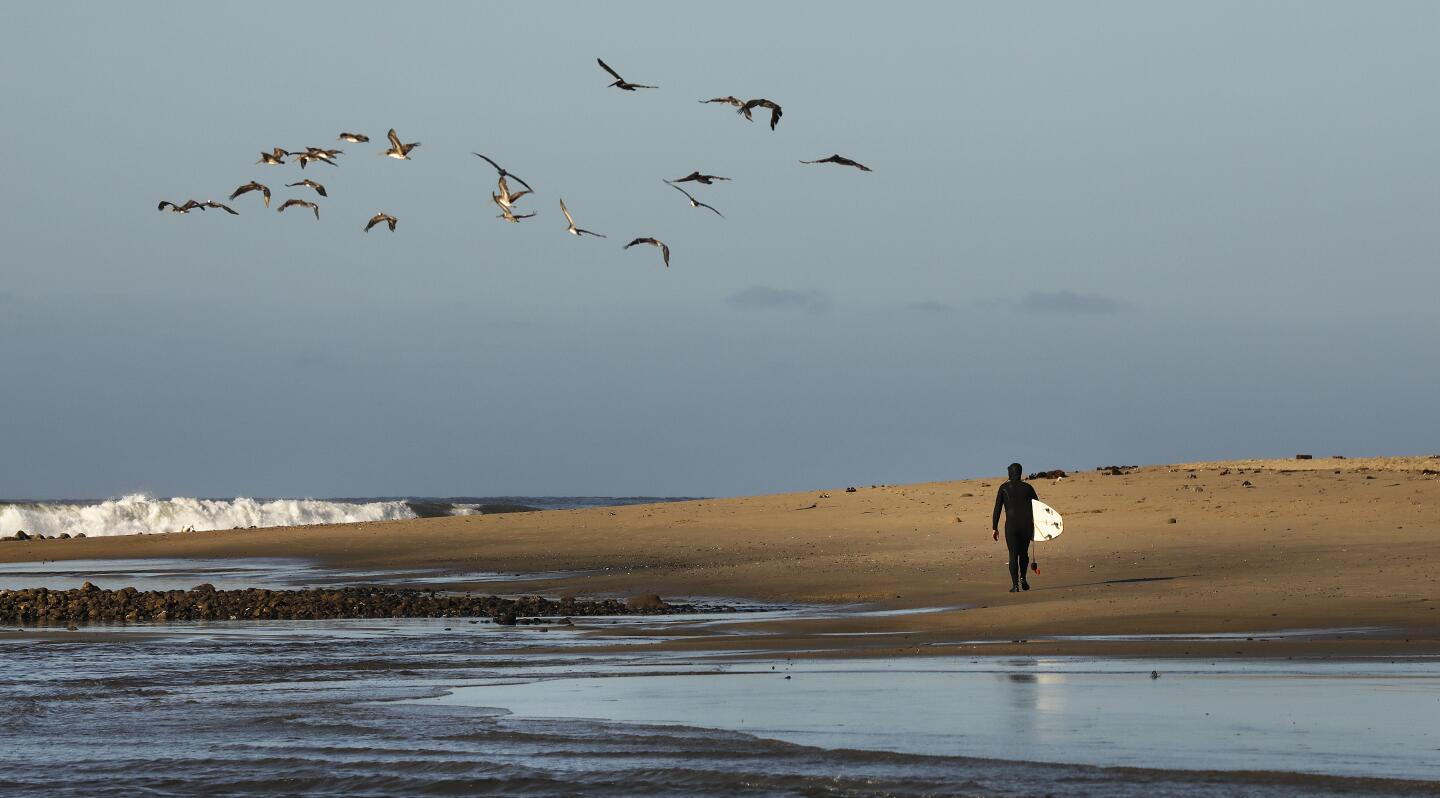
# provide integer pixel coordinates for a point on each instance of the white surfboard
(1048, 523)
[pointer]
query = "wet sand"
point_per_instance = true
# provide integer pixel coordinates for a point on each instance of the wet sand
(1344, 546)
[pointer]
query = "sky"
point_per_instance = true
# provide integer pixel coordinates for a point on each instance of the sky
(1109, 232)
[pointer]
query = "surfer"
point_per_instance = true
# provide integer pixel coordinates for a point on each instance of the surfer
(1014, 497)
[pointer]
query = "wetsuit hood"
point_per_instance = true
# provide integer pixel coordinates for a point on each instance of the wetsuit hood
(1015, 470)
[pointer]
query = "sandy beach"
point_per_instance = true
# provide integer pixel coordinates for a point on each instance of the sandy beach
(1266, 558)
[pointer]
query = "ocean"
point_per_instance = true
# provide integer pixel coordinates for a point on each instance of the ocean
(139, 514)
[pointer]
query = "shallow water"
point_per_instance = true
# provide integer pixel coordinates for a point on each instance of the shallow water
(1337, 718)
(399, 708)
(227, 574)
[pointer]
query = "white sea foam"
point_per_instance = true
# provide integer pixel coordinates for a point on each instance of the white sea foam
(136, 514)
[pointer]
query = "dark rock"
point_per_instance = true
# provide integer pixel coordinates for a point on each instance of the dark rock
(1116, 470)
(203, 588)
(647, 601)
(91, 604)
(80, 534)
(64, 536)
(849, 490)
(499, 508)
(1054, 474)
(1247, 484)
(1304, 457)
(1173, 521)
(20, 535)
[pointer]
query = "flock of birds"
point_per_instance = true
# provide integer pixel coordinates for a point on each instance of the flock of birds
(506, 200)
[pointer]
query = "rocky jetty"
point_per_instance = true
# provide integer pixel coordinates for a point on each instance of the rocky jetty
(90, 604)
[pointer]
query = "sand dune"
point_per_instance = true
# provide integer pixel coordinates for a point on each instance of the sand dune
(1186, 549)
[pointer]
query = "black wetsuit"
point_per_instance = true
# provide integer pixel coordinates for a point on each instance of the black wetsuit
(1014, 497)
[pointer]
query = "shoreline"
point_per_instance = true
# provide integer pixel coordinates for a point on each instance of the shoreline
(1300, 547)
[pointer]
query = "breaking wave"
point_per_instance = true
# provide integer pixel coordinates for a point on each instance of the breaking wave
(141, 514)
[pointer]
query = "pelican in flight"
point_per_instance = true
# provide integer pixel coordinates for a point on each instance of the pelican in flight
(319, 189)
(222, 206)
(398, 150)
(573, 230)
(728, 100)
(253, 186)
(503, 174)
(843, 161)
(654, 242)
(506, 213)
(505, 199)
(191, 205)
(698, 178)
(775, 111)
(274, 158)
(318, 154)
(694, 203)
(382, 217)
(186, 208)
(354, 138)
(621, 83)
(302, 203)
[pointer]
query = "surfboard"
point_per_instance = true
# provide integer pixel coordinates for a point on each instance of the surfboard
(1048, 523)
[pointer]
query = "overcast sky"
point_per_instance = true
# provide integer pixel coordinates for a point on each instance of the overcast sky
(1094, 233)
